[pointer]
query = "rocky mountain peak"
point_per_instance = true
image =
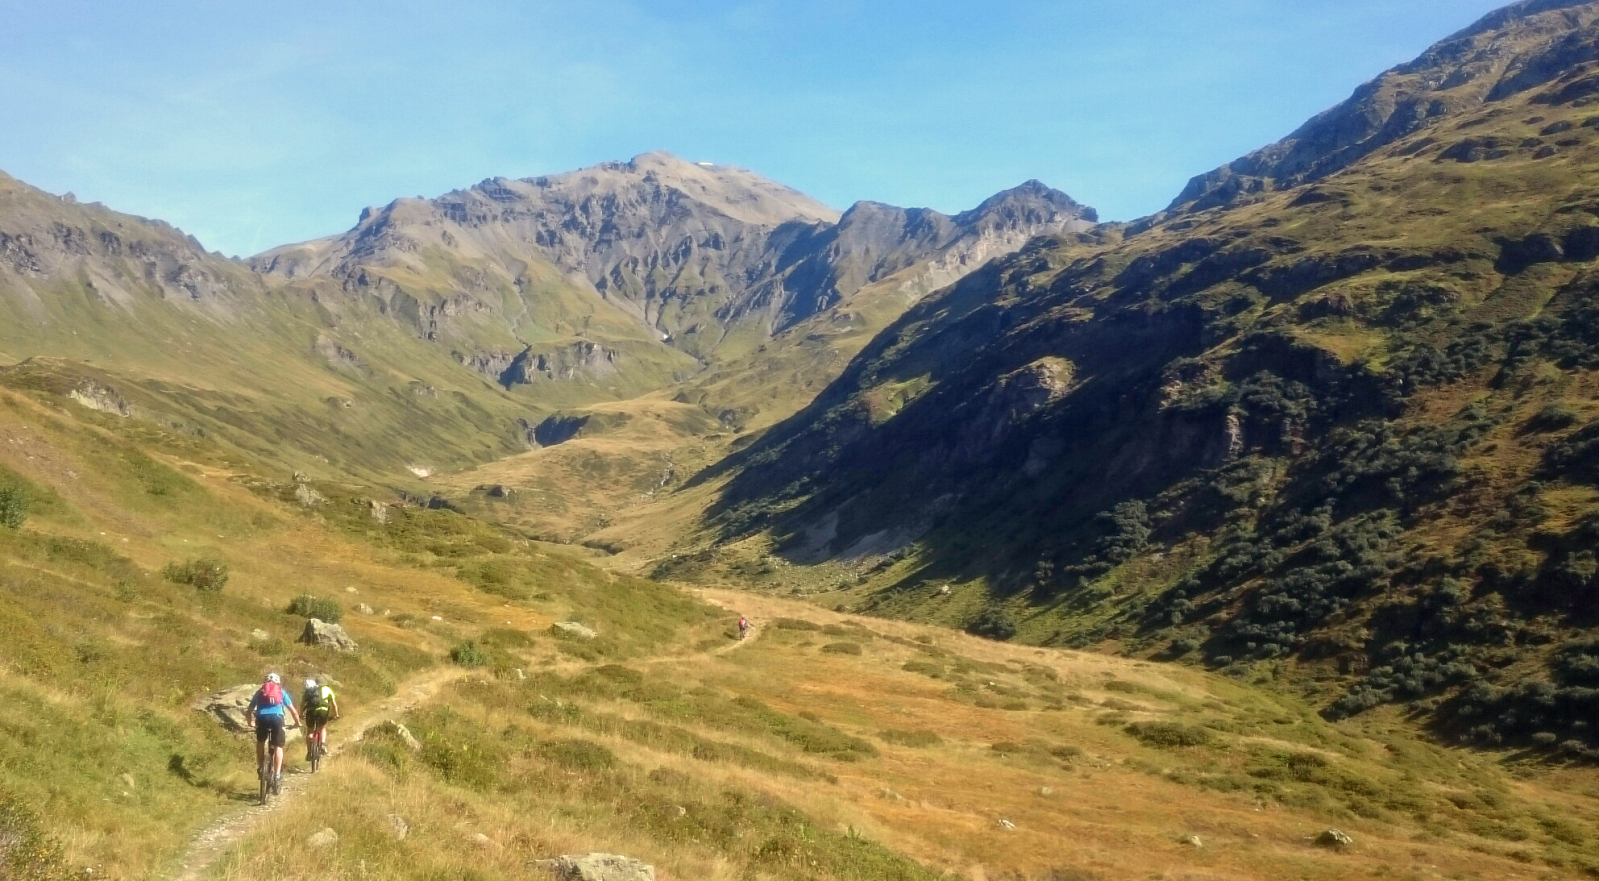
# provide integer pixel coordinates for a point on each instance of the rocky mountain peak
(1508, 52)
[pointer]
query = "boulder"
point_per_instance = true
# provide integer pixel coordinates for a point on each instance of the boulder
(1191, 841)
(363, 609)
(378, 511)
(307, 496)
(260, 635)
(319, 632)
(572, 628)
(401, 828)
(323, 838)
(1334, 839)
(403, 733)
(600, 867)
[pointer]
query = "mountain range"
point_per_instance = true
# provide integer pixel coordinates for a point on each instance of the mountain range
(1328, 414)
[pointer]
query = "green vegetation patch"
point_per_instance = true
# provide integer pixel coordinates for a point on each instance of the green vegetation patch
(1171, 735)
(912, 738)
(321, 608)
(203, 573)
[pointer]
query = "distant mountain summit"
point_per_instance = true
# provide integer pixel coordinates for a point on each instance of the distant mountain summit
(696, 252)
(1510, 51)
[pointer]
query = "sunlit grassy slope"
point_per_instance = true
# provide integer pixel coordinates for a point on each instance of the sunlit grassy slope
(829, 747)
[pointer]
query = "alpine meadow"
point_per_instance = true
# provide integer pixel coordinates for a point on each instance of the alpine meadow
(1252, 539)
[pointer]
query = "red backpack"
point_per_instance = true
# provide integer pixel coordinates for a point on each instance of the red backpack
(271, 694)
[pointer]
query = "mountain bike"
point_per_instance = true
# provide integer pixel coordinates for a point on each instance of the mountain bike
(316, 748)
(264, 774)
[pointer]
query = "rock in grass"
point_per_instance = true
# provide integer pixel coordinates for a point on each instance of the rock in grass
(572, 628)
(400, 827)
(363, 609)
(600, 867)
(1191, 841)
(323, 838)
(403, 733)
(260, 635)
(1334, 839)
(319, 632)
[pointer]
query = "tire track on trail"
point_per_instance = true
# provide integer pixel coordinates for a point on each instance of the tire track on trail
(210, 843)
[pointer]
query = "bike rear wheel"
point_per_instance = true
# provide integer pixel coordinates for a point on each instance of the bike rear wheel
(264, 772)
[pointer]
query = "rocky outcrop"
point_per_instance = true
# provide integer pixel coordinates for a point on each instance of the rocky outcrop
(99, 397)
(320, 633)
(572, 628)
(599, 867)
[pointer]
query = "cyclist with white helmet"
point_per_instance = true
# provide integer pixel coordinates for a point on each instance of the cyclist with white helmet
(265, 712)
(320, 706)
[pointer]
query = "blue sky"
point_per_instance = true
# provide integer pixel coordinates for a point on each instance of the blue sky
(252, 125)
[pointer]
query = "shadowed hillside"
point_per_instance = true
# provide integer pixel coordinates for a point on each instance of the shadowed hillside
(1330, 420)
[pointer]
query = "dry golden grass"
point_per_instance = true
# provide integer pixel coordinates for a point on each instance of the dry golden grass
(1107, 807)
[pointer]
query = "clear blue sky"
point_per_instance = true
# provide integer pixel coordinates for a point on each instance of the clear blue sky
(256, 124)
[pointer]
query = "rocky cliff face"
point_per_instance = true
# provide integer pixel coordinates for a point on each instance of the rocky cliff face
(692, 252)
(1335, 426)
(117, 260)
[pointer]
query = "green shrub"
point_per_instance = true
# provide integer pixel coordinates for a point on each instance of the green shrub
(910, 738)
(1170, 735)
(1553, 418)
(841, 648)
(795, 624)
(994, 623)
(13, 506)
(203, 573)
(469, 654)
(307, 606)
(578, 755)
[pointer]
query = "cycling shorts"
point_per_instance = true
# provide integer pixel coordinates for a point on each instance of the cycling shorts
(270, 728)
(318, 717)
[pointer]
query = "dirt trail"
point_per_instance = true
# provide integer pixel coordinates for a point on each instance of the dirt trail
(209, 845)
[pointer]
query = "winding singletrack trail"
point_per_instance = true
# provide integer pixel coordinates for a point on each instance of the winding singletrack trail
(211, 842)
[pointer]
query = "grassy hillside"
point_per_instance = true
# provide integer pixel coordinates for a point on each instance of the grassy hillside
(1336, 432)
(830, 746)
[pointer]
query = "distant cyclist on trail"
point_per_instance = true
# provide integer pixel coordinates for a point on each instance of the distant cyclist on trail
(320, 706)
(743, 627)
(265, 712)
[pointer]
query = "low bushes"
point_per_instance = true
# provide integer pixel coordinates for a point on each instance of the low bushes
(202, 573)
(307, 606)
(1170, 735)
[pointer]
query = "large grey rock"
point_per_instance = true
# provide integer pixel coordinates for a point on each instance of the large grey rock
(600, 867)
(572, 628)
(307, 496)
(319, 632)
(227, 707)
(1334, 839)
(401, 828)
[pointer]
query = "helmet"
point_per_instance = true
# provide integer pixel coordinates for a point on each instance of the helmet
(273, 677)
(310, 684)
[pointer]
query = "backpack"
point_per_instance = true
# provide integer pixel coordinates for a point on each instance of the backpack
(315, 698)
(271, 694)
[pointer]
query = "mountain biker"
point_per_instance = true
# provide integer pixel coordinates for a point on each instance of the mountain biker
(320, 705)
(265, 713)
(743, 627)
